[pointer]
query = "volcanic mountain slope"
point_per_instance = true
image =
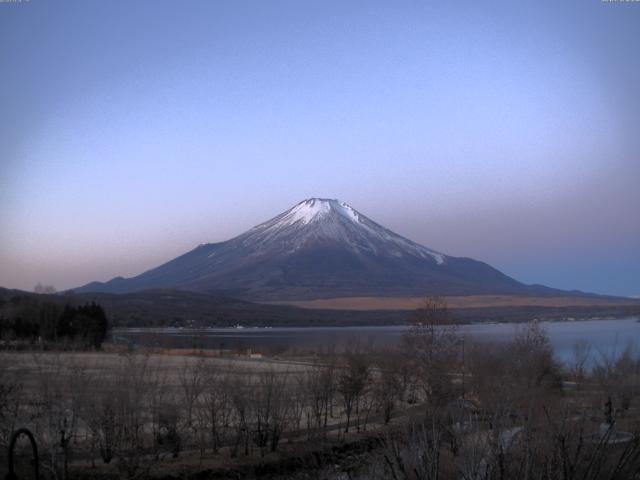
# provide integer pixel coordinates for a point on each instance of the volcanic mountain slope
(321, 248)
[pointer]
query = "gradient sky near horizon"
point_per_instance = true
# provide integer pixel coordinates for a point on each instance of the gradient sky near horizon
(131, 131)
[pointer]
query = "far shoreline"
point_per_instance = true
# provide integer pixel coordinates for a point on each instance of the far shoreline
(363, 303)
(252, 328)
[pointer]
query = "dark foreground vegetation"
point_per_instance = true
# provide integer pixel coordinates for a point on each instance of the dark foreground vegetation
(436, 408)
(49, 320)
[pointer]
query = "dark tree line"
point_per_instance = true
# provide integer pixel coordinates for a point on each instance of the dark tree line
(31, 319)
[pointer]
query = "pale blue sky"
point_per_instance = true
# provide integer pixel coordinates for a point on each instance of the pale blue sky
(134, 130)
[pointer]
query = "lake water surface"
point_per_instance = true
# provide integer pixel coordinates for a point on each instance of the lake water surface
(606, 337)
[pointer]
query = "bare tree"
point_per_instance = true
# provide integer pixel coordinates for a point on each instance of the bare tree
(352, 381)
(270, 410)
(218, 405)
(241, 393)
(298, 403)
(58, 408)
(580, 359)
(618, 379)
(11, 397)
(130, 399)
(534, 373)
(98, 412)
(44, 289)
(388, 390)
(192, 384)
(415, 454)
(321, 389)
(159, 396)
(433, 346)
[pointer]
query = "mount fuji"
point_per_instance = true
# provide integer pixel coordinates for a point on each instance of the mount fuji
(321, 248)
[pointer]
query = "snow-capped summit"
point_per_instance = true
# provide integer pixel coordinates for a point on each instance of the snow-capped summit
(319, 248)
(332, 221)
(314, 209)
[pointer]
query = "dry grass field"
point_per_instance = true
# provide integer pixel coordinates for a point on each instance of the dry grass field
(158, 415)
(29, 366)
(470, 301)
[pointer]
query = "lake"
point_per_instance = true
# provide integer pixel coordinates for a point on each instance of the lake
(606, 337)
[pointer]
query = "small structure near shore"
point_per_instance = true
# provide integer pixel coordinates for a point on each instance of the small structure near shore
(252, 354)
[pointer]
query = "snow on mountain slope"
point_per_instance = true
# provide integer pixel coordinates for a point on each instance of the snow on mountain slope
(318, 220)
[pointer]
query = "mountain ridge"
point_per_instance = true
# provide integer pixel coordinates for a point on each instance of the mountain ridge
(321, 248)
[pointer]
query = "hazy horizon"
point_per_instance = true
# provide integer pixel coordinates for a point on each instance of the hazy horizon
(134, 131)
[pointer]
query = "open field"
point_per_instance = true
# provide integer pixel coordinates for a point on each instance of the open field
(470, 301)
(153, 413)
(27, 365)
(361, 414)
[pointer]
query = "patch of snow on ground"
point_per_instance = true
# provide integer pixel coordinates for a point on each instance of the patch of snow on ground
(349, 212)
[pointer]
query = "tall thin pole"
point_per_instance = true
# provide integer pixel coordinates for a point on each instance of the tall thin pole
(463, 369)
